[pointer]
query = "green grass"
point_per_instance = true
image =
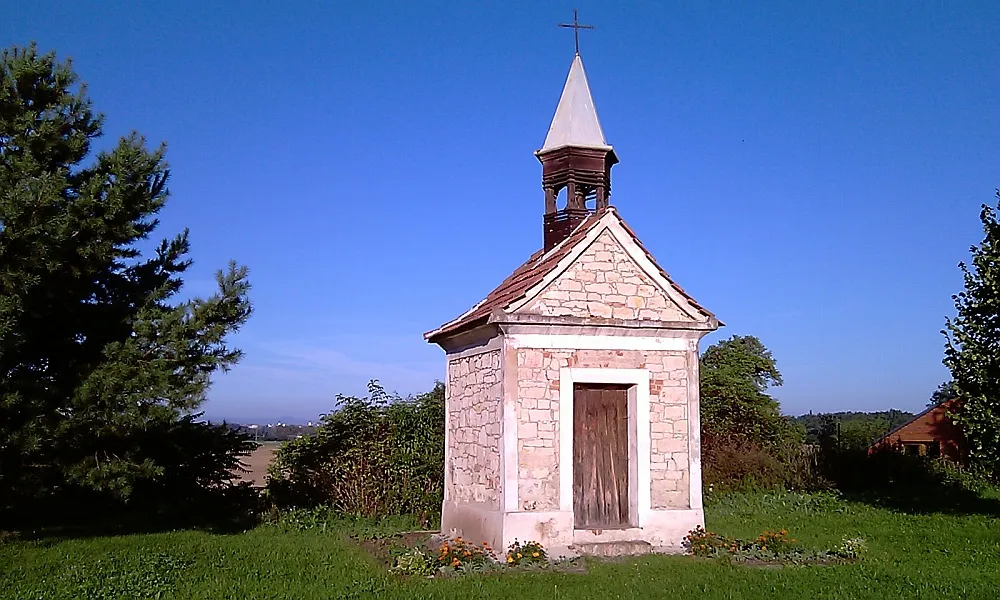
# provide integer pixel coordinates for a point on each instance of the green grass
(910, 556)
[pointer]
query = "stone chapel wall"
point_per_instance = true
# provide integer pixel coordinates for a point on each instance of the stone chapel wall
(604, 282)
(538, 422)
(474, 429)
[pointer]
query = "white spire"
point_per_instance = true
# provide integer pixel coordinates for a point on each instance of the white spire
(576, 122)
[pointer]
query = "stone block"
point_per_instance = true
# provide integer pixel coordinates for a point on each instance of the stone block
(623, 312)
(598, 309)
(626, 289)
(540, 416)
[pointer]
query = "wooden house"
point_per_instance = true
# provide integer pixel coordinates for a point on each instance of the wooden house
(931, 433)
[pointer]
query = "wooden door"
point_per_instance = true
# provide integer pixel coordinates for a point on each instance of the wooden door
(600, 456)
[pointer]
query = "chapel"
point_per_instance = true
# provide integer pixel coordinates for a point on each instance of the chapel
(572, 388)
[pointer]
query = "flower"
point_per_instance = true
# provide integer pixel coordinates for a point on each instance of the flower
(510, 559)
(535, 554)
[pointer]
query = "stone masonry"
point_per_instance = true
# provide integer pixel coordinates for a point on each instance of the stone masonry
(592, 308)
(474, 429)
(538, 421)
(605, 283)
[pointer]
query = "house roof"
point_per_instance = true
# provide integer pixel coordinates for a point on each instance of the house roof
(947, 405)
(575, 122)
(541, 265)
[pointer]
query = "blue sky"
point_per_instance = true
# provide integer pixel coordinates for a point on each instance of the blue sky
(811, 172)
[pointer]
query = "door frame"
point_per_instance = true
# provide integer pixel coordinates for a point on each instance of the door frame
(638, 421)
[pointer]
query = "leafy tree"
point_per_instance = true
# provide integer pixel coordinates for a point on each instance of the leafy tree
(735, 376)
(98, 357)
(972, 346)
(944, 392)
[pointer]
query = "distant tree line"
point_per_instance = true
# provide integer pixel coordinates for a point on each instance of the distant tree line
(273, 433)
(866, 426)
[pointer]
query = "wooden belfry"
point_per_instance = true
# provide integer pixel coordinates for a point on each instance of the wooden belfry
(575, 155)
(571, 395)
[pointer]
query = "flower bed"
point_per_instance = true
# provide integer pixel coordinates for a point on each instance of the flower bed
(770, 547)
(459, 556)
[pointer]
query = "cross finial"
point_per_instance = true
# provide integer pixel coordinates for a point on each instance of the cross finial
(575, 25)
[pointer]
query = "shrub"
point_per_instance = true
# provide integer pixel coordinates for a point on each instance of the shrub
(374, 456)
(892, 475)
(852, 548)
(528, 553)
(735, 464)
(414, 562)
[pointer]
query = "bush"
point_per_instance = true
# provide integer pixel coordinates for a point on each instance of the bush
(413, 562)
(886, 476)
(374, 456)
(852, 548)
(732, 464)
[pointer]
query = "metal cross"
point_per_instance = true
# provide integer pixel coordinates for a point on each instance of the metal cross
(576, 29)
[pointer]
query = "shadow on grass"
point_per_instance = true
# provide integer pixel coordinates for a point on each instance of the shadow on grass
(912, 484)
(77, 516)
(929, 500)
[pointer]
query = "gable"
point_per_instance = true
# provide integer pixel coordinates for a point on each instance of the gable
(605, 282)
(601, 250)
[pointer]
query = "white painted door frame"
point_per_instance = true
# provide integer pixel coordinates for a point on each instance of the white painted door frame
(639, 437)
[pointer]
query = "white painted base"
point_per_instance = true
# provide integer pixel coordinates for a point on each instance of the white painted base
(473, 522)
(662, 529)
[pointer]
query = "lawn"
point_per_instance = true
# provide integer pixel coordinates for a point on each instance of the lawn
(932, 555)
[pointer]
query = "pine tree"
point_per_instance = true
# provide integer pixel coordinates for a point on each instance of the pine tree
(972, 347)
(97, 354)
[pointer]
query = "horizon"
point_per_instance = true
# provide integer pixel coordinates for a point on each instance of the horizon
(810, 174)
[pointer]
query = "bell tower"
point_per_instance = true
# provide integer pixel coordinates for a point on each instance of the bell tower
(575, 157)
